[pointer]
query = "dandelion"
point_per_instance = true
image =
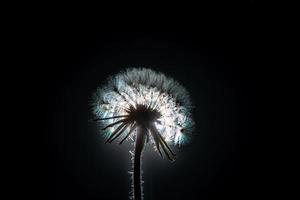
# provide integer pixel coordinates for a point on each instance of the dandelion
(147, 106)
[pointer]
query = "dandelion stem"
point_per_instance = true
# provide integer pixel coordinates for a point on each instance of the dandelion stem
(138, 149)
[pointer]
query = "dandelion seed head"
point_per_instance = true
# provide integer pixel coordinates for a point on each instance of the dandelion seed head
(161, 97)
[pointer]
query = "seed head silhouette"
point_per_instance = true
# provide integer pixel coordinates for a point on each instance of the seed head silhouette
(147, 106)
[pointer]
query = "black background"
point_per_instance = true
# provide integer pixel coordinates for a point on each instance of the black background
(219, 63)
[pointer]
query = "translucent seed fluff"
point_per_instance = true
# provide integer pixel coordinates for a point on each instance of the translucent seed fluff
(139, 88)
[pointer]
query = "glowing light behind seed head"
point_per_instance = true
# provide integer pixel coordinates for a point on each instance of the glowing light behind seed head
(153, 89)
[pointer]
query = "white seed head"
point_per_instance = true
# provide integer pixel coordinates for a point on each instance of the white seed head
(154, 90)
